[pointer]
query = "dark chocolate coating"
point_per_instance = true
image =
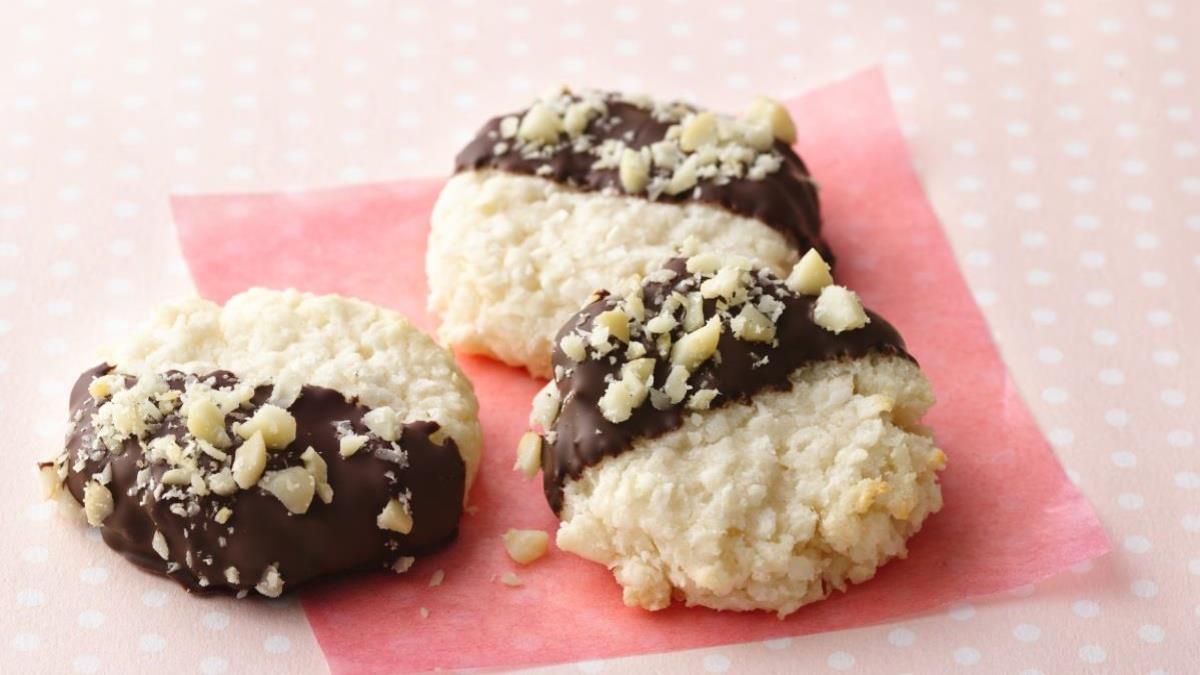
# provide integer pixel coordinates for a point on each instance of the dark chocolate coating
(786, 199)
(327, 539)
(583, 436)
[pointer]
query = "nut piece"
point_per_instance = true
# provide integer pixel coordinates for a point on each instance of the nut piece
(249, 460)
(810, 275)
(617, 323)
(839, 309)
(271, 583)
(508, 126)
(511, 579)
(100, 388)
(348, 445)
(540, 125)
(159, 543)
(294, 486)
(634, 171)
(752, 325)
(525, 546)
(223, 515)
(676, 386)
(576, 119)
(277, 425)
(205, 421)
(97, 503)
(572, 346)
(697, 346)
(773, 113)
(438, 577)
(623, 396)
(403, 564)
(222, 482)
(703, 263)
(529, 455)
(383, 422)
(702, 399)
(545, 406)
(395, 517)
(315, 465)
(698, 131)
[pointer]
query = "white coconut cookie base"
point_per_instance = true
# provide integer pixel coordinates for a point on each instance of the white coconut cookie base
(766, 505)
(512, 257)
(289, 339)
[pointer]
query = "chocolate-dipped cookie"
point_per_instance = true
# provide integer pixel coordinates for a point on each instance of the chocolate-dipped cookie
(266, 443)
(582, 190)
(732, 439)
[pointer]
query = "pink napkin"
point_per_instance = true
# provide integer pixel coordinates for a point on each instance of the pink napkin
(1011, 516)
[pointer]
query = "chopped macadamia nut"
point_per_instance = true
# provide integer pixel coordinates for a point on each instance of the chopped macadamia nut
(617, 323)
(508, 126)
(222, 482)
(100, 388)
(511, 580)
(396, 517)
(315, 465)
(810, 275)
(634, 171)
(623, 396)
(159, 543)
(529, 455)
(293, 486)
(348, 445)
(271, 583)
(545, 406)
(572, 345)
(838, 309)
(774, 114)
(384, 423)
(249, 460)
(437, 578)
(525, 546)
(697, 346)
(752, 325)
(177, 477)
(540, 125)
(676, 386)
(277, 426)
(403, 564)
(206, 422)
(700, 130)
(223, 515)
(703, 263)
(724, 285)
(97, 503)
(702, 399)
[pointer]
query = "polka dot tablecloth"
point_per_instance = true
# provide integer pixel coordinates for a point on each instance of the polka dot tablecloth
(1058, 141)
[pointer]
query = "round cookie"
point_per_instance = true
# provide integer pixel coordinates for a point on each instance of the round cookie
(581, 191)
(280, 438)
(732, 440)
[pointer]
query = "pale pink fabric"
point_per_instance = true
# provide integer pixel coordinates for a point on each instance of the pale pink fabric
(1011, 516)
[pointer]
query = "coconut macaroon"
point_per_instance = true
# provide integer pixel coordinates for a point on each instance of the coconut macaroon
(280, 438)
(583, 190)
(733, 440)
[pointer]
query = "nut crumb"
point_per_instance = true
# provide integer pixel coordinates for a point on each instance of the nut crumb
(529, 455)
(511, 580)
(525, 546)
(437, 578)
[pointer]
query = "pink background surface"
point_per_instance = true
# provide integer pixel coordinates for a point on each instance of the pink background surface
(1057, 142)
(1011, 517)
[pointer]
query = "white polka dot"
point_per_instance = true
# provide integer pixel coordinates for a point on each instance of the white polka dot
(35, 554)
(1017, 128)
(26, 642)
(1054, 395)
(968, 184)
(716, 663)
(90, 618)
(215, 620)
(1043, 316)
(1123, 459)
(1151, 633)
(86, 664)
(1166, 357)
(1144, 588)
(967, 656)
(154, 598)
(1191, 522)
(31, 597)
(152, 642)
(1085, 609)
(1159, 317)
(777, 644)
(1028, 202)
(1104, 337)
(1077, 148)
(1111, 376)
(1194, 566)
(1033, 238)
(1140, 203)
(961, 611)
(1092, 259)
(1137, 544)
(214, 665)
(1092, 654)
(978, 258)
(1061, 438)
(1172, 397)
(1099, 298)
(277, 644)
(1180, 438)
(1131, 501)
(1050, 355)
(840, 661)
(1027, 632)
(901, 637)
(1187, 480)
(974, 221)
